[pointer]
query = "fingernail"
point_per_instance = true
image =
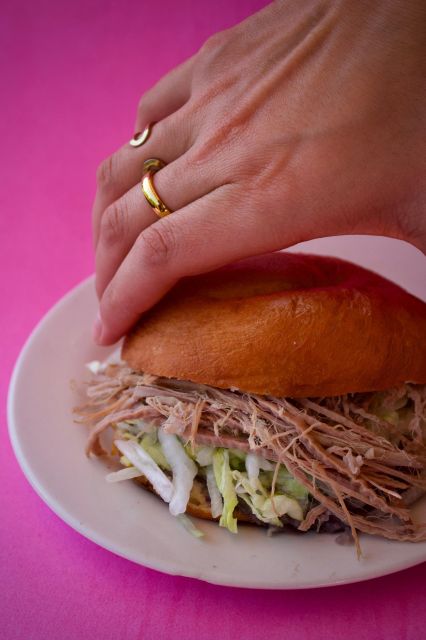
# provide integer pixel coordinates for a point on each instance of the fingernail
(97, 329)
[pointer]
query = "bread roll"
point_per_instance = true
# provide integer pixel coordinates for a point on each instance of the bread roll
(285, 324)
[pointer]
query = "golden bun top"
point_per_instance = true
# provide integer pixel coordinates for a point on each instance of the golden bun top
(284, 324)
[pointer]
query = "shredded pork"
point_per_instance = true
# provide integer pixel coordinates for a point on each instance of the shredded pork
(358, 466)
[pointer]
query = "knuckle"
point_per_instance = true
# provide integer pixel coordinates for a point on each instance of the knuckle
(105, 173)
(145, 103)
(210, 148)
(213, 45)
(113, 223)
(157, 245)
(199, 154)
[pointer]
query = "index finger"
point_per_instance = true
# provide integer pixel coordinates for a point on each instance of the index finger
(202, 236)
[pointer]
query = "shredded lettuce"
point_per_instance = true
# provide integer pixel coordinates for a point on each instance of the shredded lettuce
(183, 468)
(149, 442)
(281, 505)
(216, 502)
(237, 459)
(223, 476)
(143, 461)
(265, 507)
(230, 474)
(288, 485)
(254, 495)
(255, 463)
(151, 445)
(255, 504)
(204, 456)
(128, 473)
(190, 526)
(244, 484)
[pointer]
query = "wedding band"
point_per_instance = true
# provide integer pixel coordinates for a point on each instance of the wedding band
(142, 136)
(151, 166)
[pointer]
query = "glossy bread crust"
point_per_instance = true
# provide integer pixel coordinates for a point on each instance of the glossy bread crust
(285, 324)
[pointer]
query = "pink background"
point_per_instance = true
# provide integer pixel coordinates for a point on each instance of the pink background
(71, 76)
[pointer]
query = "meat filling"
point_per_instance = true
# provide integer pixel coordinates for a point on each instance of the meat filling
(362, 457)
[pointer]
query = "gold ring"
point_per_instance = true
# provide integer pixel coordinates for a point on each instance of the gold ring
(142, 136)
(151, 166)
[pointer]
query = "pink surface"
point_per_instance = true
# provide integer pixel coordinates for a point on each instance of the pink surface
(71, 76)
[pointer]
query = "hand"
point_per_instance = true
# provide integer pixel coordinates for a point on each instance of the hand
(303, 121)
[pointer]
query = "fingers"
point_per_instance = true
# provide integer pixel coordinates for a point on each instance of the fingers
(121, 224)
(198, 238)
(169, 140)
(178, 184)
(167, 96)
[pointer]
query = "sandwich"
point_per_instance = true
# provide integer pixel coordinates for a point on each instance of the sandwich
(285, 390)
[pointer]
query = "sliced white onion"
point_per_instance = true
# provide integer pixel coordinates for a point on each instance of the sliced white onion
(214, 493)
(143, 461)
(183, 468)
(123, 474)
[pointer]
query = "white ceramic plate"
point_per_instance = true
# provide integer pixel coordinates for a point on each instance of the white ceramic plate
(133, 523)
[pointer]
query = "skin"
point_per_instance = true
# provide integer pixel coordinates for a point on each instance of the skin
(305, 120)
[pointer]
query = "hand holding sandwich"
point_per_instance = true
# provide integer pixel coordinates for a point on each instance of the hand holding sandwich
(305, 120)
